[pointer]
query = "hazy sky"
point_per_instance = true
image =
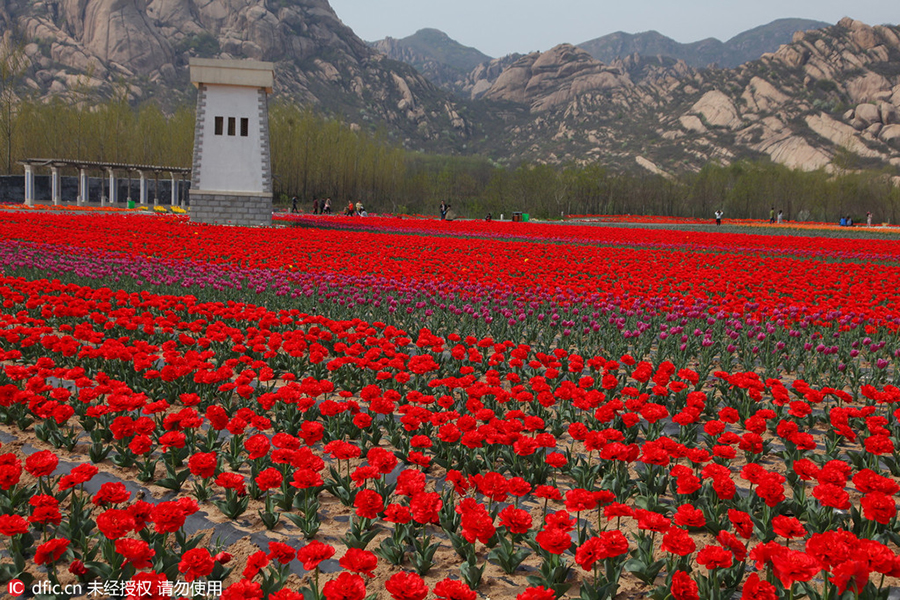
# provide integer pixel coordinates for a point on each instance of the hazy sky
(499, 27)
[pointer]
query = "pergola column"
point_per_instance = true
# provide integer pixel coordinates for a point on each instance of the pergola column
(82, 187)
(143, 194)
(54, 186)
(113, 192)
(174, 190)
(29, 185)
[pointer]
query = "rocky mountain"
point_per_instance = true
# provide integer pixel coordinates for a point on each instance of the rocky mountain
(744, 47)
(464, 70)
(442, 60)
(91, 44)
(830, 98)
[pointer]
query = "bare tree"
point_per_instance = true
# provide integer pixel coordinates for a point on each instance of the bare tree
(13, 64)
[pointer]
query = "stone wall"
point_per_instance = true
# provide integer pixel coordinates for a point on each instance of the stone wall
(229, 209)
(199, 124)
(264, 148)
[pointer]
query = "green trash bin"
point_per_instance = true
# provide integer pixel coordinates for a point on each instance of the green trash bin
(131, 204)
(525, 217)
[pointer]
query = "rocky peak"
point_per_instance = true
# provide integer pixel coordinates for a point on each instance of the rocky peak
(442, 60)
(481, 78)
(555, 77)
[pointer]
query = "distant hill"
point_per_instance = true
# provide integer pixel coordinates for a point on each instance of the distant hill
(469, 72)
(742, 48)
(441, 59)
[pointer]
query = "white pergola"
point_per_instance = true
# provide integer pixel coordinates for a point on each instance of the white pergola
(111, 169)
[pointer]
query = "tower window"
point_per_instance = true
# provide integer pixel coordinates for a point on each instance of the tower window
(232, 122)
(245, 127)
(220, 122)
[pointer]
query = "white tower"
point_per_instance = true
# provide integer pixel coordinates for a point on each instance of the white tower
(232, 171)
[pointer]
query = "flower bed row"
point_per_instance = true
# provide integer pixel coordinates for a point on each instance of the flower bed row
(438, 437)
(492, 422)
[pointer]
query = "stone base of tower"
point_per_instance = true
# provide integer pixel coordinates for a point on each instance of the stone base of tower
(230, 208)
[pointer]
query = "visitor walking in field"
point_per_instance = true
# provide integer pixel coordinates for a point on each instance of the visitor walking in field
(868, 219)
(294, 204)
(719, 214)
(780, 216)
(772, 215)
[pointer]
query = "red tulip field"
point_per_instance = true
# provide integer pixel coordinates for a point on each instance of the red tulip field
(411, 409)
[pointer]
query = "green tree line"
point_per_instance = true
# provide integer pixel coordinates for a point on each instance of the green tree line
(315, 156)
(744, 189)
(112, 131)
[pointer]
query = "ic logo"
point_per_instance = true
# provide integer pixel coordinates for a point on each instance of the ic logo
(15, 587)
